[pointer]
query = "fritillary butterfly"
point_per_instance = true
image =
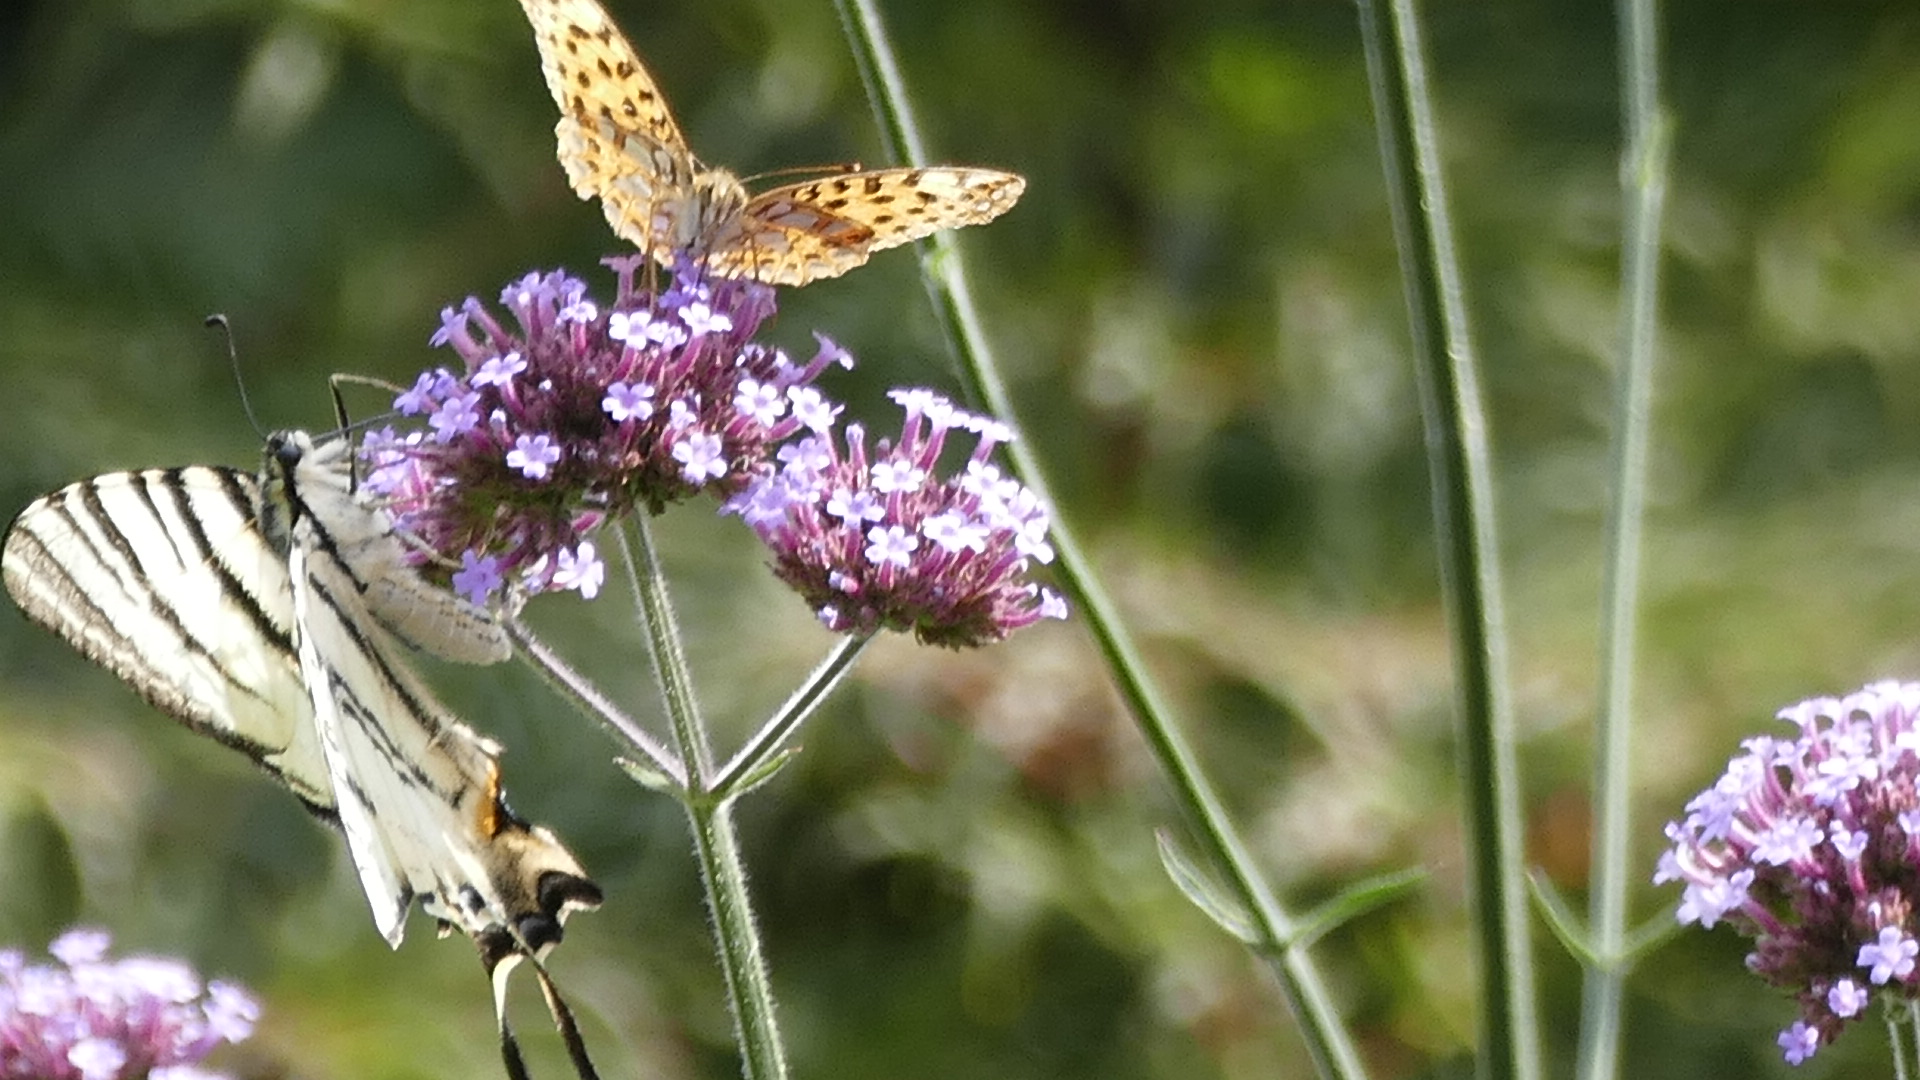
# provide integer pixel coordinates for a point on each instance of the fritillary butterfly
(618, 142)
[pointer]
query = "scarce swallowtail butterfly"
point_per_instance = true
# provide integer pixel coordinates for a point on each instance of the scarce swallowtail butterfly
(272, 613)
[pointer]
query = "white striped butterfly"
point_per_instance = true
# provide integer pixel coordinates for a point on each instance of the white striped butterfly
(273, 613)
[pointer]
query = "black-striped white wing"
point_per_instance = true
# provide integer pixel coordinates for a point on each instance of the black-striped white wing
(161, 577)
(417, 791)
(269, 613)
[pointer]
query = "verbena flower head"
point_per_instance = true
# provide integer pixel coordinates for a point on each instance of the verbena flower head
(86, 1017)
(875, 539)
(1811, 846)
(568, 414)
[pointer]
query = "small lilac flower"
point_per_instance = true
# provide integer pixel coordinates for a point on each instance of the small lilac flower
(81, 945)
(874, 539)
(1847, 998)
(831, 353)
(580, 570)
(624, 402)
(478, 577)
(452, 323)
(1850, 845)
(1709, 900)
(702, 320)
(853, 507)
(812, 408)
(430, 387)
(1793, 838)
(1891, 957)
(533, 455)
(953, 532)
(1810, 846)
(456, 415)
(499, 370)
(88, 1017)
(761, 401)
(889, 477)
(97, 1059)
(614, 408)
(702, 453)
(629, 326)
(1799, 1042)
(891, 544)
(1052, 604)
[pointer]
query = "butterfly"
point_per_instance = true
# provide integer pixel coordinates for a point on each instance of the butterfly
(273, 613)
(619, 143)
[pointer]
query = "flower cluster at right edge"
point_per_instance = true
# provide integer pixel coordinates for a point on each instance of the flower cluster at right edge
(1810, 846)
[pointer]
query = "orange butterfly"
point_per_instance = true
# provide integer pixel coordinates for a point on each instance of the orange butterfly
(619, 142)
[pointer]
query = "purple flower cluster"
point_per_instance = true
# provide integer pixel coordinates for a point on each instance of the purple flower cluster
(577, 414)
(1811, 846)
(876, 540)
(91, 1018)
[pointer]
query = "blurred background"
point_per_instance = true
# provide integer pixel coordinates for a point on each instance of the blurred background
(1198, 305)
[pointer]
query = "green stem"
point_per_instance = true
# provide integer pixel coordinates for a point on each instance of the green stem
(1459, 459)
(781, 726)
(945, 274)
(1643, 179)
(1913, 1022)
(1894, 1018)
(737, 939)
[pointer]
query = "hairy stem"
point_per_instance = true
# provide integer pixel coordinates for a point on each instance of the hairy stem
(736, 937)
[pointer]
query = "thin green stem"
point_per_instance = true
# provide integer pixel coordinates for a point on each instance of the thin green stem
(1913, 1022)
(781, 726)
(1459, 459)
(736, 938)
(945, 273)
(573, 686)
(1643, 180)
(1894, 1019)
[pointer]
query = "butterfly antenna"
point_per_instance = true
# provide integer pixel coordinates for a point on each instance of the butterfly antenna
(837, 169)
(233, 358)
(342, 378)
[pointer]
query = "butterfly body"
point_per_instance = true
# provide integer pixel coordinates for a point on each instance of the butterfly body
(619, 143)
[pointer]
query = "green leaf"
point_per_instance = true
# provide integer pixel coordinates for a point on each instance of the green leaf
(649, 777)
(1564, 923)
(763, 771)
(1650, 934)
(1205, 893)
(1355, 901)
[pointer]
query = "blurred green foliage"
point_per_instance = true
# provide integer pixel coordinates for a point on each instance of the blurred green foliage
(1199, 304)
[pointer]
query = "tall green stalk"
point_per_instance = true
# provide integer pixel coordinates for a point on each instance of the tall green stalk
(1643, 181)
(1276, 933)
(1459, 459)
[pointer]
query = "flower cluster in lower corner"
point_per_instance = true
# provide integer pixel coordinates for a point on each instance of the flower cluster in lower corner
(87, 1017)
(576, 414)
(874, 539)
(1810, 845)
